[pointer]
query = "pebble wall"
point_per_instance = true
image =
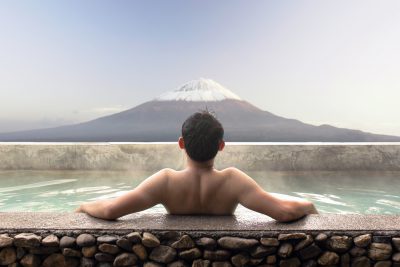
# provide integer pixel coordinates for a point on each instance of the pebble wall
(176, 249)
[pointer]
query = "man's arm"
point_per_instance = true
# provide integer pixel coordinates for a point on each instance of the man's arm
(147, 194)
(253, 197)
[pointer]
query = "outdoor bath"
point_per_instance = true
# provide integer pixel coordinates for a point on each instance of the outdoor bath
(42, 183)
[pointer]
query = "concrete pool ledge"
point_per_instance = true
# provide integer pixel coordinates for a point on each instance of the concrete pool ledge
(142, 221)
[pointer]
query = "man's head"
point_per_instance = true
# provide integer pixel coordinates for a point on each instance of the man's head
(202, 136)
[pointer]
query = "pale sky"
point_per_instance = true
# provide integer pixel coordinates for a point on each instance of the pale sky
(322, 62)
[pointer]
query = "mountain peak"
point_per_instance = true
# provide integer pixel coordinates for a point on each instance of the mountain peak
(199, 90)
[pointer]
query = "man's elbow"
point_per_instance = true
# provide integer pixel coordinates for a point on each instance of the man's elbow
(107, 215)
(110, 213)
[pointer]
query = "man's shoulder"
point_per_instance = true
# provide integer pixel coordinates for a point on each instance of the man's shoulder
(231, 170)
(166, 172)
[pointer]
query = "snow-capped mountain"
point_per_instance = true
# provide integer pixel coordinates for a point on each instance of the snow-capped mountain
(161, 120)
(199, 90)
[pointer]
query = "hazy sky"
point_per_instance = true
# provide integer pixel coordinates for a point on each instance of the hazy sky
(322, 62)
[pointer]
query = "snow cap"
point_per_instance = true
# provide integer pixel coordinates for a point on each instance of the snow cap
(199, 90)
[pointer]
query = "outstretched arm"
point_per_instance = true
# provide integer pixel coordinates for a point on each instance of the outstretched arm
(145, 195)
(252, 196)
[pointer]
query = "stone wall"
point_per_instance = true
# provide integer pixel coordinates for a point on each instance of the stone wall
(173, 248)
(153, 157)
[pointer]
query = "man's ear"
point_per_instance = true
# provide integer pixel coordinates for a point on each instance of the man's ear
(221, 145)
(181, 143)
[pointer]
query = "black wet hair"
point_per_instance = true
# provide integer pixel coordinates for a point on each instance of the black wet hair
(202, 133)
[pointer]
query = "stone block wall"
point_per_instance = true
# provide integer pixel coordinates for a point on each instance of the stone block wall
(178, 249)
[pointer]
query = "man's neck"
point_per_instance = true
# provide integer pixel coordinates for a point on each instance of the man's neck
(206, 165)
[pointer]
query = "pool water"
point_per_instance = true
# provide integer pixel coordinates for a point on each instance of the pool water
(332, 192)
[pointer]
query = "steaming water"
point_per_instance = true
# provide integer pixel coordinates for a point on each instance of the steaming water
(332, 192)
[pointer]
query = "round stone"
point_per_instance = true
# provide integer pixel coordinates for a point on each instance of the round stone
(185, 242)
(269, 242)
(328, 258)
(85, 240)
(7, 256)
(27, 240)
(125, 259)
(362, 241)
(162, 254)
(285, 250)
(361, 262)
(51, 241)
(107, 239)
(69, 252)
(89, 252)
(379, 251)
(190, 254)
(134, 237)
(304, 243)
(67, 242)
(262, 251)
(340, 244)
(124, 244)
(6, 241)
(396, 257)
(140, 251)
(230, 242)
(30, 260)
(206, 242)
(321, 239)
(240, 259)
(149, 240)
(56, 259)
(109, 248)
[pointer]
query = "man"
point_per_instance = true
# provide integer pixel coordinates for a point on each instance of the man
(199, 188)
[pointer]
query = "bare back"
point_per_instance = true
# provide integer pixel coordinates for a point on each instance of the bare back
(203, 191)
(200, 192)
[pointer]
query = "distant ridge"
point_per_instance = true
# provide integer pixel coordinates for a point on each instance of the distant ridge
(160, 120)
